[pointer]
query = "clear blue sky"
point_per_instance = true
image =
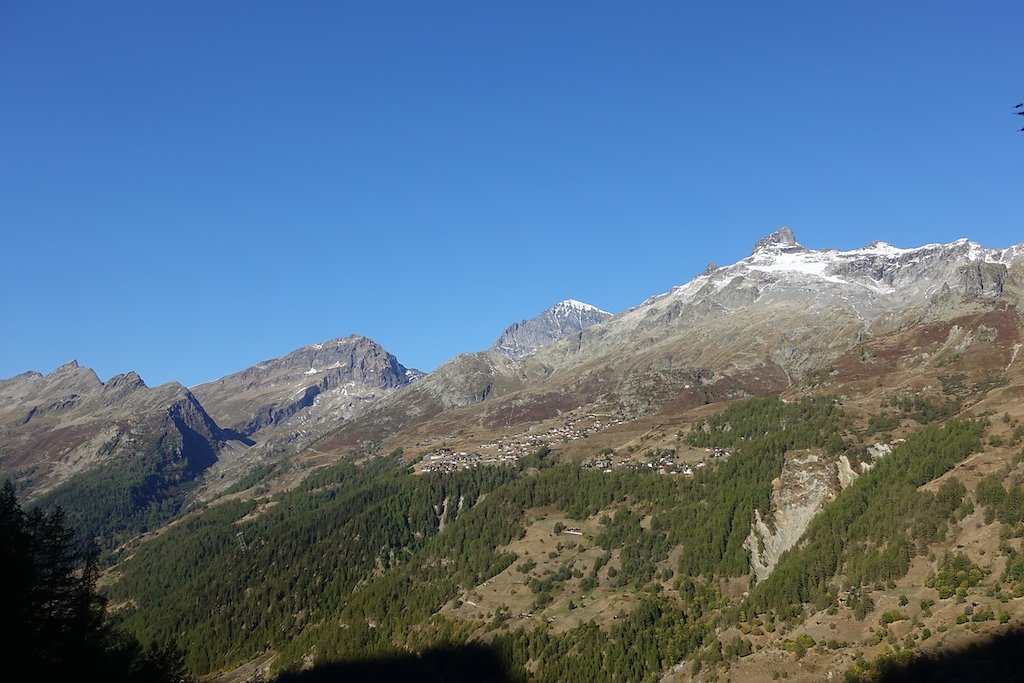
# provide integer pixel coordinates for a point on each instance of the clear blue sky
(187, 188)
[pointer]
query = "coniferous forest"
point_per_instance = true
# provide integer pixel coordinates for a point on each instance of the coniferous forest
(357, 562)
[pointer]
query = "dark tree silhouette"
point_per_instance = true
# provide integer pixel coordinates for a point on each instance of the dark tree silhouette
(54, 624)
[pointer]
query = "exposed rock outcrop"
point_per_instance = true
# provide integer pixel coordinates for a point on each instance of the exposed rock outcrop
(781, 239)
(983, 280)
(808, 483)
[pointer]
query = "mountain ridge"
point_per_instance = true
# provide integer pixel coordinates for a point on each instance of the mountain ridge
(756, 325)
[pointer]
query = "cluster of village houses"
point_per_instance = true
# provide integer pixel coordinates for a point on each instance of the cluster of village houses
(663, 463)
(527, 442)
(512, 448)
(447, 460)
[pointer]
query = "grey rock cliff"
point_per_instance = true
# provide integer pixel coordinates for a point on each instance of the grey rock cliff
(983, 280)
(561, 320)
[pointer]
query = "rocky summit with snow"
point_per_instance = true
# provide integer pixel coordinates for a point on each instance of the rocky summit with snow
(792, 308)
(564, 318)
(867, 282)
(871, 280)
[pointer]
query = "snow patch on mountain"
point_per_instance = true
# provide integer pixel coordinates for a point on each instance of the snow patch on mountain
(574, 305)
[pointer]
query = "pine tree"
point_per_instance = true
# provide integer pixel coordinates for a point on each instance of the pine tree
(55, 625)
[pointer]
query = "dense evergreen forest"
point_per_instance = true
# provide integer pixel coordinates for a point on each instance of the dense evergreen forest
(357, 561)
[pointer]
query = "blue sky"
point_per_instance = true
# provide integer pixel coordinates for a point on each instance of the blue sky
(187, 188)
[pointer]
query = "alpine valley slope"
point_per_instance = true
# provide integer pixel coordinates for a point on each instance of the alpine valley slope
(122, 457)
(283, 405)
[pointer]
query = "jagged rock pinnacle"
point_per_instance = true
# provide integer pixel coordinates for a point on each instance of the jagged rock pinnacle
(783, 237)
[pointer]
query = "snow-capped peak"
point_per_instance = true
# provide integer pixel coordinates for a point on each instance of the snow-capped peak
(564, 318)
(878, 275)
(573, 304)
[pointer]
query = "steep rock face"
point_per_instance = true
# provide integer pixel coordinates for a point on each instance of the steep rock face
(983, 280)
(283, 405)
(561, 320)
(328, 381)
(809, 481)
(119, 387)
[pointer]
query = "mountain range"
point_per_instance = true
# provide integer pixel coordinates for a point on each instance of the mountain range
(752, 327)
(61, 435)
(866, 345)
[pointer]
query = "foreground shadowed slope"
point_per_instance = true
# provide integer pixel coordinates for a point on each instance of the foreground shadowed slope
(1000, 658)
(476, 663)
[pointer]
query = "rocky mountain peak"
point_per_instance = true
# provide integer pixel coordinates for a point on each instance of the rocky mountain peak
(326, 381)
(354, 357)
(782, 239)
(118, 387)
(71, 378)
(564, 318)
(127, 379)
